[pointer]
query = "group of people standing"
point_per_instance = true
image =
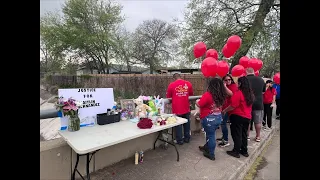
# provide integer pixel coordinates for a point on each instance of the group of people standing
(248, 102)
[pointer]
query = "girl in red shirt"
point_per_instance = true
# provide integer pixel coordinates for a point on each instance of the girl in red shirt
(240, 116)
(210, 105)
(269, 98)
(231, 87)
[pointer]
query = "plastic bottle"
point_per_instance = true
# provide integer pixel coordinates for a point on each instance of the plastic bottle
(136, 158)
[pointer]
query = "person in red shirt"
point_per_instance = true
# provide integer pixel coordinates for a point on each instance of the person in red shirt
(179, 91)
(240, 116)
(269, 98)
(210, 105)
(231, 87)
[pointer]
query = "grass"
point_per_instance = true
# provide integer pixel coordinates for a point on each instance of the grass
(256, 164)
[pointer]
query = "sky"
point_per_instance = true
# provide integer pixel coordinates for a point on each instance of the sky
(135, 11)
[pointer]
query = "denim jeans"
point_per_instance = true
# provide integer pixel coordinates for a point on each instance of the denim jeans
(224, 127)
(186, 129)
(210, 124)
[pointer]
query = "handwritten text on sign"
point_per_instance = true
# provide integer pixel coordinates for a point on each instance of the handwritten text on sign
(95, 101)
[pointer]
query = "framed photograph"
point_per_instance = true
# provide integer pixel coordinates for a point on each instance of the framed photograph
(127, 104)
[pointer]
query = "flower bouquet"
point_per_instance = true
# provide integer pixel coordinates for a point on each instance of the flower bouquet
(69, 108)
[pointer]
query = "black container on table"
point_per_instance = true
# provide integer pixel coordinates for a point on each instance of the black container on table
(104, 118)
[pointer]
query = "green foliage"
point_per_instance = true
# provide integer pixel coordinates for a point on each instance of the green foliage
(48, 78)
(86, 29)
(213, 21)
(125, 94)
(86, 76)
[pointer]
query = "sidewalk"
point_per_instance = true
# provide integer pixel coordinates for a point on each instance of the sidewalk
(161, 164)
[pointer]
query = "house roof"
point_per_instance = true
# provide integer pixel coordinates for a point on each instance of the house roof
(117, 67)
(182, 70)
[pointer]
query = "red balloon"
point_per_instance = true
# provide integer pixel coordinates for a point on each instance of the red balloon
(254, 63)
(227, 52)
(260, 63)
(257, 73)
(199, 49)
(209, 67)
(223, 68)
(244, 61)
(237, 70)
(234, 42)
(276, 78)
(212, 53)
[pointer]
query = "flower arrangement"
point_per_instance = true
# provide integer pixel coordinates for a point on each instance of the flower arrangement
(69, 108)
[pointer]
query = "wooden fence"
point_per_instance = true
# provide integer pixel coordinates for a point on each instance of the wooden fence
(128, 85)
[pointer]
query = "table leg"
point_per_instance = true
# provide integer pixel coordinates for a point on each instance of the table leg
(88, 159)
(88, 167)
(169, 142)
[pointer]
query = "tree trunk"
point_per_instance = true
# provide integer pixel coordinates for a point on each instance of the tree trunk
(151, 67)
(253, 31)
(128, 66)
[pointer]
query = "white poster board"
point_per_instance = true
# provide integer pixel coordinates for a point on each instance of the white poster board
(95, 101)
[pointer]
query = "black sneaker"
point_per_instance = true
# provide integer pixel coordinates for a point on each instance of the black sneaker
(186, 140)
(224, 144)
(207, 155)
(219, 139)
(245, 154)
(234, 154)
(204, 148)
(180, 143)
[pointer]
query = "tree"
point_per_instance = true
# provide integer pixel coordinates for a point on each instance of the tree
(124, 47)
(154, 43)
(213, 21)
(52, 54)
(87, 29)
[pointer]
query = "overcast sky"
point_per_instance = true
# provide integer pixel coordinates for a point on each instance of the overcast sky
(135, 11)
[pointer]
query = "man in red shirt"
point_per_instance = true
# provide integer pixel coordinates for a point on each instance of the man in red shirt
(179, 91)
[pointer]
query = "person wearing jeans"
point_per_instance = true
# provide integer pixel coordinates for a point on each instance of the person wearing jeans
(186, 129)
(210, 124)
(277, 87)
(240, 116)
(231, 87)
(210, 105)
(179, 91)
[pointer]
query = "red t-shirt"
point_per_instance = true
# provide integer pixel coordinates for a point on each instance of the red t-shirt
(179, 91)
(207, 106)
(240, 106)
(233, 88)
(268, 96)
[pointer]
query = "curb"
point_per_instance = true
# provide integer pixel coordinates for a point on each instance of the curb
(244, 168)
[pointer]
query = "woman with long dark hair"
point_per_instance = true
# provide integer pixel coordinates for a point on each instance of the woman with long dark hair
(210, 105)
(240, 116)
(269, 98)
(231, 87)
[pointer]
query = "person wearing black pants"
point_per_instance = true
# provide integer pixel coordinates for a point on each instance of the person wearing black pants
(239, 127)
(240, 116)
(268, 101)
(267, 116)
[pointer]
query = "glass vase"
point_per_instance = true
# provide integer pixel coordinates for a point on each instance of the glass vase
(73, 123)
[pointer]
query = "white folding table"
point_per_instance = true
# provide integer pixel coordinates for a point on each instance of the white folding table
(88, 140)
